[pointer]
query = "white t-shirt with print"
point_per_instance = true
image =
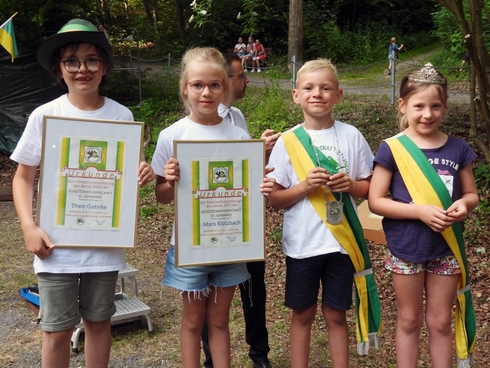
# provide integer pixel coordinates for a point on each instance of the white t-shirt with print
(304, 233)
(186, 129)
(240, 47)
(28, 152)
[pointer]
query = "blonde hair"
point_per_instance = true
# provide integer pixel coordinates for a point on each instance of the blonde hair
(318, 65)
(205, 55)
(393, 39)
(409, 87)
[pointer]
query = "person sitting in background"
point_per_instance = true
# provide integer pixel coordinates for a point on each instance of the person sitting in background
(258, 56)
(240, 48)
(250, 53)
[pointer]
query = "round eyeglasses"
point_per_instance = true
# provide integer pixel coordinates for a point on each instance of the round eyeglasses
(198, 87)
(73, 65)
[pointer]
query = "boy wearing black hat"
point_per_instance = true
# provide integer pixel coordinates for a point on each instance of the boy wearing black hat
(79, 282)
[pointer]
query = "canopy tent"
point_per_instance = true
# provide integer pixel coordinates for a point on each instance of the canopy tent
(25, 86)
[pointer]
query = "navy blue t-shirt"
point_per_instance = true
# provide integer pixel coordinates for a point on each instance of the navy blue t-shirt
(413, 240)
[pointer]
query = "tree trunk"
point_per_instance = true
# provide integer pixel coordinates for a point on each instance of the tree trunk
(295, 35)
(147, 7)
(104, 9)
(480, 65)
(181, 20)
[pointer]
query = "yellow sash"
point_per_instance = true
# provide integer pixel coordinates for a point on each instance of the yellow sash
(426, 187)
(349, 235)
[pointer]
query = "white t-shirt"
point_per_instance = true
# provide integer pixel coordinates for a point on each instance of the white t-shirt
(233, 115)
(304, 233)
(240, 47)
(28, 152)
(186, 129)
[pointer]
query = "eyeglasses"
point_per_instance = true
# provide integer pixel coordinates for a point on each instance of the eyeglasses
(73, 65)
(198, 87)
(239, 76)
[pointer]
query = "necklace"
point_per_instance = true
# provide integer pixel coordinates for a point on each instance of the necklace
(334, 209)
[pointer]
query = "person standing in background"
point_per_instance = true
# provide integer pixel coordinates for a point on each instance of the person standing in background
(466, 60)
(393, 53)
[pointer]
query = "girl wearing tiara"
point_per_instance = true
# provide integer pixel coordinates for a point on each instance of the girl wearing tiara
(430, 179)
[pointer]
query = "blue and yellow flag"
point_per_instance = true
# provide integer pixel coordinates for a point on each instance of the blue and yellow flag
(7, 38)
(349, 234)
(426, 187)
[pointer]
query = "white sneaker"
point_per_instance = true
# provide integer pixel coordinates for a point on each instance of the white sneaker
(258, 70)
(245, 70)
(253, 70)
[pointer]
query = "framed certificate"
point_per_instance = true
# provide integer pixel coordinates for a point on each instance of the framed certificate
(88, 188)
(219, 209)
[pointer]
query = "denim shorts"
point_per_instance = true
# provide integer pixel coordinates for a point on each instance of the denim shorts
(201, 278)
(441, 266)
(303, 276)
(66, 297)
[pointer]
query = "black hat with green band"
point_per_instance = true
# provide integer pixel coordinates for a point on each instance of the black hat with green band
(75, 31)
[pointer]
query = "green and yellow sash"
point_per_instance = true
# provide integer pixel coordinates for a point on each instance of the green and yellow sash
(349, 234)
(426, 187)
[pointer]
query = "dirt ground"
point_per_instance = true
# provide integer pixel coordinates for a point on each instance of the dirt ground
(134, 347)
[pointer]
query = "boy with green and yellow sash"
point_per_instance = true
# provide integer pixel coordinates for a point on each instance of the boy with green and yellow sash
(321, 166)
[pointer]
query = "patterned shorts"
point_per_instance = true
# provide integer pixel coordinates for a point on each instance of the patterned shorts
(441, 266)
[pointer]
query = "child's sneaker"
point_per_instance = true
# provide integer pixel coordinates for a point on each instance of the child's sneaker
(245, 70)
(258, 70)
(253, 70)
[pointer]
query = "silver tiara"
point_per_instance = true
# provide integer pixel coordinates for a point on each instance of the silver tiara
(427, 75)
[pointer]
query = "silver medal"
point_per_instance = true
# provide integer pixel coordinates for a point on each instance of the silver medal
(335, 211)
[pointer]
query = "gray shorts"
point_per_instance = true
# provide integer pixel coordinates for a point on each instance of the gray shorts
(65, 298)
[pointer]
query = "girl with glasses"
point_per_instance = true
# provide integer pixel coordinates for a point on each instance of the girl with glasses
(206, 291)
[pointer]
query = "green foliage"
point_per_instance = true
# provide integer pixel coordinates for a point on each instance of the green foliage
(482, 179)
(448, 63)
(367, 44)
(447, 30)
(157, 114)
(252, 9)
(341, 30)
(265, 108)
(477, 232)
(122, 86)
(164, 85)
(201, 12)
(276, 235)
